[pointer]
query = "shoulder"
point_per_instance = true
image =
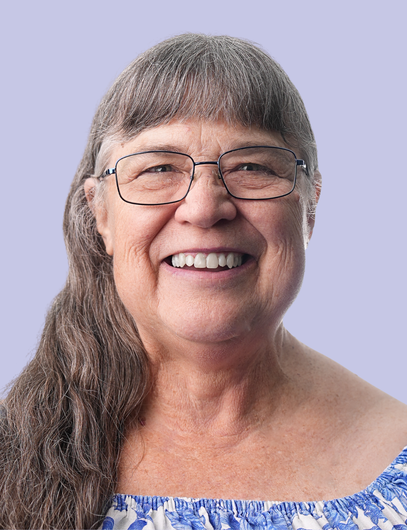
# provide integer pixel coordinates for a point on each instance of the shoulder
(364, 421)
(371, 425)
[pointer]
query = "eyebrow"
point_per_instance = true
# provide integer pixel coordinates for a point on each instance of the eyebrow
(251, 143)
(177, 149)
(159, 147)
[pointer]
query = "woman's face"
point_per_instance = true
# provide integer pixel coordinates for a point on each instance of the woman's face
(204, 305)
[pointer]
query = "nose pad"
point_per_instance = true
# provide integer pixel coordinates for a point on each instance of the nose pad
(199, 173)
(207, 201)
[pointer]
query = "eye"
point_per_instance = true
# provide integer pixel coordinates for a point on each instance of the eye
(250, 166)
(255, 168)
(165, 168)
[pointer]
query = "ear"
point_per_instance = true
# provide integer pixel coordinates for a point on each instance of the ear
(101, 214)
(311, 212)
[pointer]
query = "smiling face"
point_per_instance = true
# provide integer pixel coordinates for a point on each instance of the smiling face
(169, 260)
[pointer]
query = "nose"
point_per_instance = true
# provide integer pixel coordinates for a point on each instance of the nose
(208, 201)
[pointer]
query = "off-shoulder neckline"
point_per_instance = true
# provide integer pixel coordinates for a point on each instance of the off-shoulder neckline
(381, 481)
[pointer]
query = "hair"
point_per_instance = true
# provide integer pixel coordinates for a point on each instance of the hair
(63, 421)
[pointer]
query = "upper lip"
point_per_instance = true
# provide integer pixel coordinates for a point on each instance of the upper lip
(206, 250)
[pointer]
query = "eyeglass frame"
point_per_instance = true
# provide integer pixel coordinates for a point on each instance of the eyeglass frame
(113, 171)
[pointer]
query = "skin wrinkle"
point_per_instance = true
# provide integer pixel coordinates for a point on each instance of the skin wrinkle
(215, 394)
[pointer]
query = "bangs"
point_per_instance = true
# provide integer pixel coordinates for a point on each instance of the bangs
(203, 77)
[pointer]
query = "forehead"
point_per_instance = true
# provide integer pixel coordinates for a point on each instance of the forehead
(198, 138)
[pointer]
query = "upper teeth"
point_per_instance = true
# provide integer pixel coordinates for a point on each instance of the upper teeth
(207, 261)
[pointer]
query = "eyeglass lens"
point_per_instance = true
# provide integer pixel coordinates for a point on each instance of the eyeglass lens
(163, 177)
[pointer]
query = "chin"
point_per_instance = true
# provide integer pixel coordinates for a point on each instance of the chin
(201, 327)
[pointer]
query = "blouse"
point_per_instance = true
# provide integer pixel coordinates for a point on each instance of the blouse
(382, 505)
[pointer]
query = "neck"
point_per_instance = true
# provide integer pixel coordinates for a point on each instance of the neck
(220, 390)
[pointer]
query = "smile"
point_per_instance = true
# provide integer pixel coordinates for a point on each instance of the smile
(208, 261)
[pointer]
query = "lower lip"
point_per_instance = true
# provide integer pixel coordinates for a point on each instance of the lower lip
(208, 274)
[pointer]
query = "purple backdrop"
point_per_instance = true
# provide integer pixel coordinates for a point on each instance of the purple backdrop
(348, 61)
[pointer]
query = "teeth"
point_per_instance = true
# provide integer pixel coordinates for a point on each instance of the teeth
(200, 261)
(212, 261)
(207, 261)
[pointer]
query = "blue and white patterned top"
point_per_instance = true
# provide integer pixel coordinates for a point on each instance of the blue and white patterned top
(382, 505)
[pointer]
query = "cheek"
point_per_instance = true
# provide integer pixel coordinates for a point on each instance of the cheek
(289, 230)
(135, 258)
(281, 223)
(136, 230)
(283, 262)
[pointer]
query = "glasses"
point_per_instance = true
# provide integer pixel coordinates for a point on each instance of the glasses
(152, 178)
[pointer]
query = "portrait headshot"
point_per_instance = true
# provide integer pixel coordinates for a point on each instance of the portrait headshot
(203, 273)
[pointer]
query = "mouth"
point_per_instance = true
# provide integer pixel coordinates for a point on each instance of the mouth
(213, 261)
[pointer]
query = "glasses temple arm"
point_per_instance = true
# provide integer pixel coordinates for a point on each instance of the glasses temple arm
(106, 173)
(301, 163)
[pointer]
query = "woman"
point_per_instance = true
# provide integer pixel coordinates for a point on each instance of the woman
(164, 370)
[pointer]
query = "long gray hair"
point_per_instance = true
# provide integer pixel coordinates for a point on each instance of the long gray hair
(64, 419)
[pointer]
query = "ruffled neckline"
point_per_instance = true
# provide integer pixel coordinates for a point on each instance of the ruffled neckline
(380, 506)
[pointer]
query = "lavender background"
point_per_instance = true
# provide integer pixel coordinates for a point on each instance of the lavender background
(348, 60)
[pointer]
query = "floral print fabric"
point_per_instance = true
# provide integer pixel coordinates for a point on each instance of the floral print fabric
(382, 505)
